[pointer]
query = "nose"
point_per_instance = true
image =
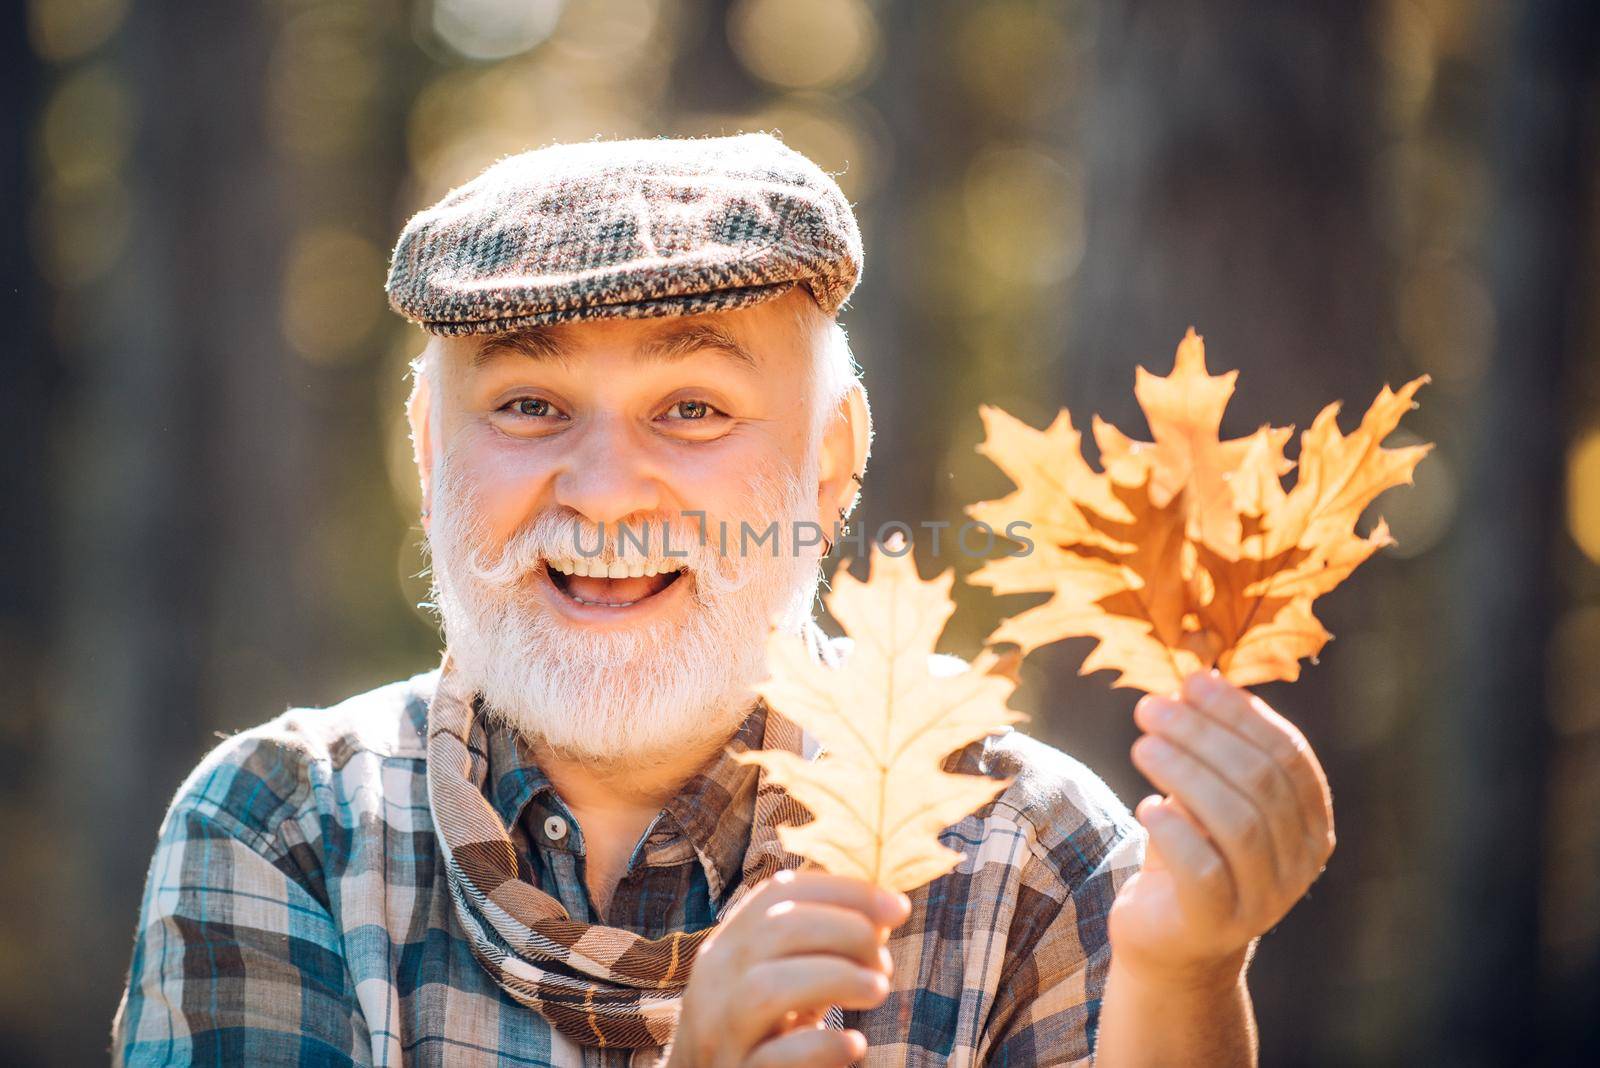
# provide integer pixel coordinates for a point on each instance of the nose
(607, 476)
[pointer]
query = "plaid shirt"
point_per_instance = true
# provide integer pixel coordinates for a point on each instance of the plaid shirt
(297, 911)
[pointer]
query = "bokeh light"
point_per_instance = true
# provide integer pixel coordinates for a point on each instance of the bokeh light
(613, 35)
(80, 232)
(87, 127)
(1583, 494)
(494, 29)
(819, 44)
(1446, 320)
(62, 30)
(1406, 48)
(1017, 59)
(1023, 211)
(324, 78)
(332, 293)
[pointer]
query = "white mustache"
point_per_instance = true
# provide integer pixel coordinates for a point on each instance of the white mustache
(558, 536)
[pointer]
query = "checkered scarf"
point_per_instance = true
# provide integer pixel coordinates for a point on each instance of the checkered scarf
(600, 986)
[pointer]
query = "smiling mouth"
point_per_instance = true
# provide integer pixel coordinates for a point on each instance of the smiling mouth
(617, 584)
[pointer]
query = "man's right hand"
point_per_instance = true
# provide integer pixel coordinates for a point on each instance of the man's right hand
(802, 941)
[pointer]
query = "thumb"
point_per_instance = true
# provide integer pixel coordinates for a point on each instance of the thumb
(1179, 846)
(1154, 860)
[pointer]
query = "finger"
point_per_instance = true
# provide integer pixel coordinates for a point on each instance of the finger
(1244, 712)
(809, 1047)
(1248, 769)
(1204, 886)
(883, 907)
(798, 927)
(792, 1020)
(1232, 822)
(774, 988)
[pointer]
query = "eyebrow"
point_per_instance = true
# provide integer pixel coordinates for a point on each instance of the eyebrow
(671, 343)
(534, 342)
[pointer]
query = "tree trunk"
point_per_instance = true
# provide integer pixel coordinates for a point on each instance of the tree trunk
(1493, 811)
(1229, 159)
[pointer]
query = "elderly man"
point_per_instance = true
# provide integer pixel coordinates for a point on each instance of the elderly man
(544, 851)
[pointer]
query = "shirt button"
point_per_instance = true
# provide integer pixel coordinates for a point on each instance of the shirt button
(555, 828)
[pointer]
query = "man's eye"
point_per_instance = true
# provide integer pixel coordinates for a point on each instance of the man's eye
(691, 409)
(533, 407)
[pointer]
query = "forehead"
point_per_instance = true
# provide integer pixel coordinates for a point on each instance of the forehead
(569, 341)
(759, 337)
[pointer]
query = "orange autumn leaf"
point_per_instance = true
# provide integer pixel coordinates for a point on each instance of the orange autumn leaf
(1201, 557)
(887, 718)
(1188, 456)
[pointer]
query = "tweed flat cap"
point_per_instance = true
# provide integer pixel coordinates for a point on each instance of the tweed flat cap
(626, 229)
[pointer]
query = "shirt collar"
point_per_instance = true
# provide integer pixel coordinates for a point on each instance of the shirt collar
(514, 777)
(714, 808)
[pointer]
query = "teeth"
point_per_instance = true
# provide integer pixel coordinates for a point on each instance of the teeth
(616, 569)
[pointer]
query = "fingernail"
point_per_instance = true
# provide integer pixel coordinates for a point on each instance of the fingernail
(895, 903)
(1163, 713)
(1148, 812)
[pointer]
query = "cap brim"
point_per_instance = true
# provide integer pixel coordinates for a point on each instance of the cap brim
(659, 308)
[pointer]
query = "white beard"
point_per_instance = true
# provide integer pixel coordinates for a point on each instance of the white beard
(633, 697)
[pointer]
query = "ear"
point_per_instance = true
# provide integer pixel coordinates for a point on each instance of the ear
(419, 413)
(846, 443)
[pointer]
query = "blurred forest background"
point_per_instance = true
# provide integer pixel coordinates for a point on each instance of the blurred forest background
(209, 514)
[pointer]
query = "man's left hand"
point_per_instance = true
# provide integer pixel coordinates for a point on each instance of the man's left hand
(1245, 828)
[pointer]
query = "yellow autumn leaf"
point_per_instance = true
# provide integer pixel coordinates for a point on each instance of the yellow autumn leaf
(1340, 475)
(887, 718)
(1054, 483)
